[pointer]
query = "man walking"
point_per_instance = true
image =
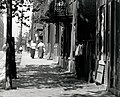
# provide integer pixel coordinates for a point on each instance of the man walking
(33, 47)
(41, 48)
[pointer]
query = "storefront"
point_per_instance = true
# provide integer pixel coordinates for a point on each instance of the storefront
(85, 37)
(60, 16)
(107, 45)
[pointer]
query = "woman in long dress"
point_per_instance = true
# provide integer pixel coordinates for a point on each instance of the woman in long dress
(41, 48)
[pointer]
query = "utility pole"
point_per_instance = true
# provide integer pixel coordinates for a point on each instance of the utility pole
(8, 81)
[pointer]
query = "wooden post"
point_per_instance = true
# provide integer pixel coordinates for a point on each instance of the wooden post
(8, 82)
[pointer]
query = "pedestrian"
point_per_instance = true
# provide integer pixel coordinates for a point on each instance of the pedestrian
(41, 49)
(15, 48)
(4, 47)
(28, 47)
(20, 49)
(33, 47)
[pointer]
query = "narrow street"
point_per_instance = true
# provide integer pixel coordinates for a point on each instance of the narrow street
(41, 78)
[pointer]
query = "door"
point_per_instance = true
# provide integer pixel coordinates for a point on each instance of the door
(111, 45)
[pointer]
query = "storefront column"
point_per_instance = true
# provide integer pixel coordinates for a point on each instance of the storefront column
(56, 45)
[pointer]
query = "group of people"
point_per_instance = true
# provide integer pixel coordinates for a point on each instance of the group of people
(31, 47)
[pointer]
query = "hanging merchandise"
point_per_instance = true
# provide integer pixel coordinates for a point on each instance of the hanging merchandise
(79, 50)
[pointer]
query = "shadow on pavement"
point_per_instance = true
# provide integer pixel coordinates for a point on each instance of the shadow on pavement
(43, 76)
(46, 76)
(87, 95)
(49, 76)
(96, 94)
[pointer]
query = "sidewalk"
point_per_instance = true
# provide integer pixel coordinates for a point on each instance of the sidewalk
(41, 78)
(27, 60)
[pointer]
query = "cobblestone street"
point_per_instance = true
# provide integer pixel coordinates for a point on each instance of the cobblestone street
(41, 78)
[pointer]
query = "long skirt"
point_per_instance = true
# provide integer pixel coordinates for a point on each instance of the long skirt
(28, 49)
(40, 52)
(32, 53)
